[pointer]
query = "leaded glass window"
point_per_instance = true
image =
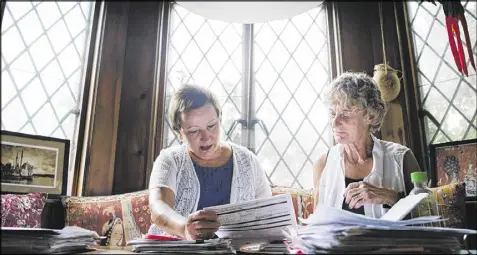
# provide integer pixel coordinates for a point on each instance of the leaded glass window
(44, 49)
(447, 95)
(290, 68)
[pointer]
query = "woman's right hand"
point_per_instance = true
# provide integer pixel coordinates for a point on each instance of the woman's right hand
(201, 225)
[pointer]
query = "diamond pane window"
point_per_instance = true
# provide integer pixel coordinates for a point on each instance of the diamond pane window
(43, 55)
(446, 94)
(206, 53)
(290, 69)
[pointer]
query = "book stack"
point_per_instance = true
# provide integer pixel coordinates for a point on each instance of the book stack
(47, 241)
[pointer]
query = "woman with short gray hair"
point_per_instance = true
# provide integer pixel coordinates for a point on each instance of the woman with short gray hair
(204, 171)
(361, 173)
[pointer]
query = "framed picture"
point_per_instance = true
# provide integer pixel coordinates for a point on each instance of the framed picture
(455, 161)
(32, 163)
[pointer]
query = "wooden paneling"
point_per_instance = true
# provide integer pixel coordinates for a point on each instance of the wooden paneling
(355, 20)
(101, 151)
(137, 97)
(126, 100)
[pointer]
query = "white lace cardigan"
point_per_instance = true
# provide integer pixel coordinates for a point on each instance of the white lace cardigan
(174, 169)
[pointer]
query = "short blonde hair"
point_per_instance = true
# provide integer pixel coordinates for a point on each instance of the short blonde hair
(189, 97)
(352, 89)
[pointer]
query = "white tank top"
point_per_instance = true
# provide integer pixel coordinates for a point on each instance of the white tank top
(386, 172)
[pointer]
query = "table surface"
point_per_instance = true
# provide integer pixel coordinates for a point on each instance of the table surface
(126, 250)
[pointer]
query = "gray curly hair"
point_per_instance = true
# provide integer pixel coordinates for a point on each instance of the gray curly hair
(352, 89)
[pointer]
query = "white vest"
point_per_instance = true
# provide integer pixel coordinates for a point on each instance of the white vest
(174, 169)
(386, 172)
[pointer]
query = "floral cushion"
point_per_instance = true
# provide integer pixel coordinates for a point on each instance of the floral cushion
(451, 203)
(120, 218)
(22, 210)
(302, 200)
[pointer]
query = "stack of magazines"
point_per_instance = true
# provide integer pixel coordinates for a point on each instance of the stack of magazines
(212, 246)
(331, 230)
(70, 239)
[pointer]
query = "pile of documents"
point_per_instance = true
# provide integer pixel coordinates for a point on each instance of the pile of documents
(253, 226)
(212, 246)
(266, 248)
(331, 230)
(260, 220)
(41, 240)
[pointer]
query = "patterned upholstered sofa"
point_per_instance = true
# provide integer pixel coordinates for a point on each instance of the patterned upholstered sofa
(127, 216)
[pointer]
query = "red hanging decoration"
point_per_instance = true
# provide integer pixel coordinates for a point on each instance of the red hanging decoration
(454, 12)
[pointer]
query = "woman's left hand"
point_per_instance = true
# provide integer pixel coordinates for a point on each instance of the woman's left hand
(360, 193)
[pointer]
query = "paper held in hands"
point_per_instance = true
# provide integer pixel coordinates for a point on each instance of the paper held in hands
(324, 215)
(403, 207)
(262, 218)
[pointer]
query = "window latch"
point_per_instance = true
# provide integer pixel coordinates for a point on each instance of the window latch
(243, 122)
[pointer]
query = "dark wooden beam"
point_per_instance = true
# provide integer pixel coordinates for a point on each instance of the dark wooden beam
(101, 145)
(137, 96)
(158, 114)
(2, 10)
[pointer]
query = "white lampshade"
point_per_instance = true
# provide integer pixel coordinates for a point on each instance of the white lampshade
(248, 12)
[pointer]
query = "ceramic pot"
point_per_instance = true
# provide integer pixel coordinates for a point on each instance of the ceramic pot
(388, 82)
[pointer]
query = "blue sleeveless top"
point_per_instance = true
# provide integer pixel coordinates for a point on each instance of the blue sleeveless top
(215, 183)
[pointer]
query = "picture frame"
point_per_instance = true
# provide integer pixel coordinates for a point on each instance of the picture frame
(455, 161)
(34, 163)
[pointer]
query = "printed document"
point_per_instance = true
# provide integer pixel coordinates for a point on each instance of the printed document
(262, 218)
(403, 207)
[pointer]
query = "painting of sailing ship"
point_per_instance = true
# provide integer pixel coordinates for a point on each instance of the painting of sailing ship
(33, 163)
(27, 165)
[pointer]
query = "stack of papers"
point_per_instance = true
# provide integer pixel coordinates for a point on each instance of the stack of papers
(212, 246)
(260, 220)
(266, 248)
(42, 240)
(331, 230)
(256, 225)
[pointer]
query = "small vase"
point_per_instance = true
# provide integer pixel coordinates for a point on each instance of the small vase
(388, 82)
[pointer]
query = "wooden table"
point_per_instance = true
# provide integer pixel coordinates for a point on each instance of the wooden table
(111, 250)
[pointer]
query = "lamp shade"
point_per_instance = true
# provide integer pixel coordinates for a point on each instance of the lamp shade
(248, 12)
